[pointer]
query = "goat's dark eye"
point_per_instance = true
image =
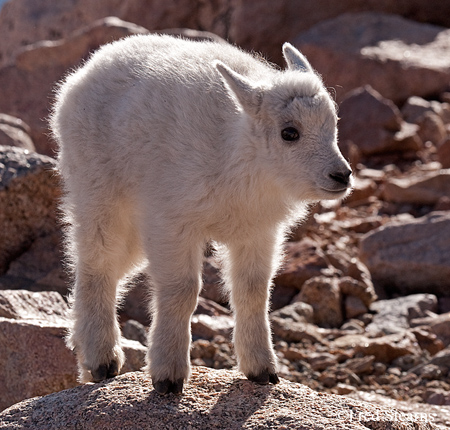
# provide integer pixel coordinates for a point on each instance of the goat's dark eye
(290, 134)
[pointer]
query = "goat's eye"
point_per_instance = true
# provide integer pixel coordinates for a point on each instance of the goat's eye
(290, 134)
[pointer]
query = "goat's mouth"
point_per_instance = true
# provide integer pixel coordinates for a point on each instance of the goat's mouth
(339, 193)
(335, 191)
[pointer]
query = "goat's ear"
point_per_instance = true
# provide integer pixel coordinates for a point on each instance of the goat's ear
(295, 59)
(246, 92)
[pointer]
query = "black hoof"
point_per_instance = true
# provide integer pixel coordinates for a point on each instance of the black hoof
(264, 378)
(168, 386)
(105, 371)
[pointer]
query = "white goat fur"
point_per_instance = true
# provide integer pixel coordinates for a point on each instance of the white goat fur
(166, 145)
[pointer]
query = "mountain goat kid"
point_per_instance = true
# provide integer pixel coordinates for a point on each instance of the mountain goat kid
(165, 145)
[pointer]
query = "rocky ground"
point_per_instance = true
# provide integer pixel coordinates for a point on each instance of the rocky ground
(362, 303)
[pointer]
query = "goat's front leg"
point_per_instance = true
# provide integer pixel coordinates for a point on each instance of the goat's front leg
(248, 272)
(176, 283)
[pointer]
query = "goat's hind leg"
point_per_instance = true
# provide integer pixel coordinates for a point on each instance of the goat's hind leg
(103, 254)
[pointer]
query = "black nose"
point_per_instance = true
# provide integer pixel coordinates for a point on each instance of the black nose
(342, 177)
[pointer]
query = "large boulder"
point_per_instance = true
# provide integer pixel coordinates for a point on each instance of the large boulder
(374, 124)
(261, 25)
(398, 57)
(392, 315)
(420, 189)
(220, 399)
(410, 256)
(23, 22)
(29, 191)
(28, 83)
(34, 359)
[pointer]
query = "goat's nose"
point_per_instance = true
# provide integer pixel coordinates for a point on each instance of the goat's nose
(341, 177)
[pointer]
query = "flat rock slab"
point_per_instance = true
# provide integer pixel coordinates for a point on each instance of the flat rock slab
(220, 399)
(397, 57)
(411, 256)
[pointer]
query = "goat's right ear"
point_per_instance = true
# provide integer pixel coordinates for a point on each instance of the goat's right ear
(248, 94)
(295, 59)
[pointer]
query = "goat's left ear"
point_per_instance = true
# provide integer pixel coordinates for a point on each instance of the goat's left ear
(295, 59)
(248, 94)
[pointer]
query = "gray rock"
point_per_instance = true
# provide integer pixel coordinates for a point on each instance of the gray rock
(392, 316)
(14, 132)
(424, 189)
(324, 295)
(26, 305)
(374, 124)
(29, 191)
(399, 58)
(410, 256)
(298, 312)
(134, 330)
(221, 399)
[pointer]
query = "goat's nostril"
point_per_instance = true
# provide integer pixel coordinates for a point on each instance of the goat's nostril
(341, 177)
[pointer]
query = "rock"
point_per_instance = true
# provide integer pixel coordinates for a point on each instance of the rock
(410, 256)
(423, 189)
(438, 325)
(36, 347)
(216, 353)
(321, 361)
(26, 305)
(388, 348)
(206, 326)
(428, 341)
(374, 124)
(220, 399)
(431, 128)
(351, 267)
(443, 153)
(32, 331)
(212, 288)
(324, 295)
(384, 349)
(399, 58)
(291, 331)
(363, 291)
(251, 24)
(362, 190)
(304, 260)
(135, 305)
(392, 316)
(298, 312)
(360, 365)
(134, 330)
(28, 82)
(208, 307)
(437, 397)
(23, 23)
(29, 192)
(354, 307)
(135, 354)
(40, 268)
(429, 415)
(416, 107)
(14, 132)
